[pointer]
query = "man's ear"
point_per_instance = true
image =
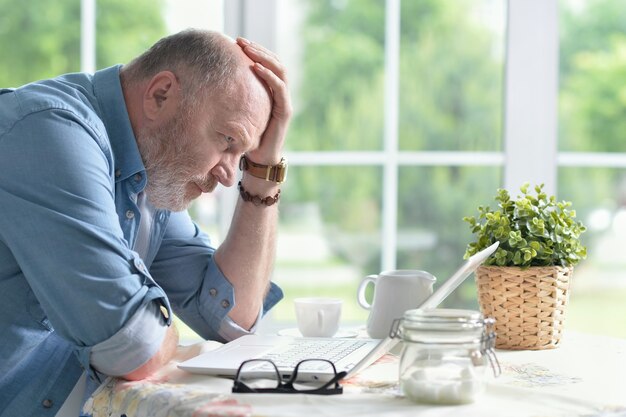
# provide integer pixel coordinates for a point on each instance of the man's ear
(161, 96)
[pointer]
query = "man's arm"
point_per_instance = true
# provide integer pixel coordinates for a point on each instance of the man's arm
(163, 356)
(61, 226)
(247, 254)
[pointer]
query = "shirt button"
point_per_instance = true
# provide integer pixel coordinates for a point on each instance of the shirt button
(47, 403)
(212, 292)
(225, 303)
(118, 173)
(137, 177)
(130, 214)
(140, 265)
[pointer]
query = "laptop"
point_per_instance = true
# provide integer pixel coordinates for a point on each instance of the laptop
(348, 354)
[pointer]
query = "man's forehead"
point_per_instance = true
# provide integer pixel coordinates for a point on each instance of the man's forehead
(238, 116)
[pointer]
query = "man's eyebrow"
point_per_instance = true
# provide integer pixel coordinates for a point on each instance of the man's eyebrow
(243, 137)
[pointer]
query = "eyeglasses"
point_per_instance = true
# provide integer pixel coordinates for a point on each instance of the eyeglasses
(262, 376)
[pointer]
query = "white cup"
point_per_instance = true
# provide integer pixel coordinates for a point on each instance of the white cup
(318, 316)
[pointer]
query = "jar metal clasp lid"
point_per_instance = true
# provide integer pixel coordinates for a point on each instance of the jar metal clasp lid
(395, 332)
(488, 345)
(487, 341)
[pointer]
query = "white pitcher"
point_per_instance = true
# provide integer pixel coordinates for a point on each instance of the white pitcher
(394, 293)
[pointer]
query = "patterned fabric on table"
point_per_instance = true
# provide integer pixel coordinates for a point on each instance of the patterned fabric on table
(169, 392)
(143, 398)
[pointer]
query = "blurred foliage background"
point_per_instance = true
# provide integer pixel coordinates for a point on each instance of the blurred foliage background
(41, 39)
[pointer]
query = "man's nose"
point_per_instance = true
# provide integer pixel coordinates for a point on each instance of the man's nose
(228, 168)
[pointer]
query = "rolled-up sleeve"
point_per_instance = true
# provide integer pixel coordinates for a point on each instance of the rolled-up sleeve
(199, 292)
(60, 223)
(133, 345)
(229, 330)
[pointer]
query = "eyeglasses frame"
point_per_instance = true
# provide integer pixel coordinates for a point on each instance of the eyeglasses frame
(288, 387)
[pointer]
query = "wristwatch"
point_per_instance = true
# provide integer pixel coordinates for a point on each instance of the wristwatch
(276, 173)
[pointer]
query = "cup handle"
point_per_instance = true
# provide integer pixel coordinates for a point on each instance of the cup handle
(361, 291)
(320, 319)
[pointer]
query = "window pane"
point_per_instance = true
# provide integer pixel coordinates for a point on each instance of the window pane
(451, 75)
(38, 39)
(431, 232)
(339, 101)
(592, 107)
(599, 285)
(329, 236)
(124, 29)
(592, 118)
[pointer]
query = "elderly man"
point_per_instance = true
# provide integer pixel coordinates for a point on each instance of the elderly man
(96, 248)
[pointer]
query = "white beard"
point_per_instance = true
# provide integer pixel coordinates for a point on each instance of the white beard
(169, 167)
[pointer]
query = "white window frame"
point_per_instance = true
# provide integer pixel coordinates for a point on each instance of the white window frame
(531, 94)
(88, 35)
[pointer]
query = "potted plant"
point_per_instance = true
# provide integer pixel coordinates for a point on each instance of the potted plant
(524, 285)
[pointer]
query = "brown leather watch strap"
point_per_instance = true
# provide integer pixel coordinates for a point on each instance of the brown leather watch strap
(276, 173)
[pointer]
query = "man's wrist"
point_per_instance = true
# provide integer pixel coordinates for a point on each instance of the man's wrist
(256, 199)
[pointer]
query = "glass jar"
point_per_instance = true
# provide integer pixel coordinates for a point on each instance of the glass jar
(445, 356)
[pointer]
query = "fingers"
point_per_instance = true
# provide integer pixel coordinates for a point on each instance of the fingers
(271, 70)
(282, 104)
(260, 54)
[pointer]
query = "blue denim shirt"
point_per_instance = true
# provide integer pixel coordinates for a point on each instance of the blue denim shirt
(70, 173)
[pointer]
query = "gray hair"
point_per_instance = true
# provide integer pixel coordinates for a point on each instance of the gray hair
(200, 59)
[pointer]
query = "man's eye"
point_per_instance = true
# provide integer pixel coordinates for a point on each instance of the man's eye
(229, 141)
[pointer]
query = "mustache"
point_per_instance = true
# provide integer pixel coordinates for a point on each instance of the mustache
(207, 184)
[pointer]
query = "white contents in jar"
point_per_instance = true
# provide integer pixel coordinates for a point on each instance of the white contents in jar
(448, 384)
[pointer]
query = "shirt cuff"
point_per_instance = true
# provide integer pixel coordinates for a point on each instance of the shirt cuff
(133, 345)
(229, 330)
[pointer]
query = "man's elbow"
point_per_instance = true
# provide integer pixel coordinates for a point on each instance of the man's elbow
(159, 359)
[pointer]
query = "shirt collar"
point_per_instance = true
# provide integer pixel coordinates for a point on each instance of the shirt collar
(108, 91)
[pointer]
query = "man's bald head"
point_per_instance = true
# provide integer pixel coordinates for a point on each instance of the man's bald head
(203, 61)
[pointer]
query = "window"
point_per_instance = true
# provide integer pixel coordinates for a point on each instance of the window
(592, 159)
(409, 114)
(407, 118)
(397, 135)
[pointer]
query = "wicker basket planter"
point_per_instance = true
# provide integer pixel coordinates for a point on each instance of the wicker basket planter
(527, 304)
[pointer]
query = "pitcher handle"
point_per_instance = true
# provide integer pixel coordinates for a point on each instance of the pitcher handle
(361, 291)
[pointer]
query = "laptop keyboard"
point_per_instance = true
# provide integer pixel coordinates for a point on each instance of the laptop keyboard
(289, 355)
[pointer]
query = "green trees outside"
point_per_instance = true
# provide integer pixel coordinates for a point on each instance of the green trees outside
(593, 103)
(593, 79)
(451, 70)
(41, 39)
(451, 74)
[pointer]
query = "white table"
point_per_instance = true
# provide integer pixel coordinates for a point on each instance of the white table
(585, 377)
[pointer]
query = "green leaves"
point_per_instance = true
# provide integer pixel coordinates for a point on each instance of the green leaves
(534, 230)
